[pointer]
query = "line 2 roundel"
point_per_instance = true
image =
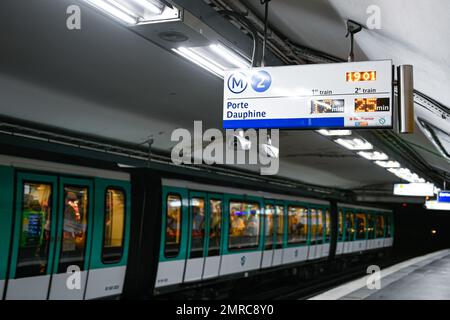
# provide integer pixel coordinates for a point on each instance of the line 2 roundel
(261, 81)
(237, 82)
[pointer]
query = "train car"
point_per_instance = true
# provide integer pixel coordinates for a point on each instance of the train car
(56, 219)
(213, 232)
(362, 229)
(142, 232)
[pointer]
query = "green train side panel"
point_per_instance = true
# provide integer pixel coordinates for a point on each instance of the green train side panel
(99, 221)
(6, 216)
(183, 193)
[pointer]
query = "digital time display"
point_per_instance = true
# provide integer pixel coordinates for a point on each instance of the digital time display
(372, 105)
(361, 76)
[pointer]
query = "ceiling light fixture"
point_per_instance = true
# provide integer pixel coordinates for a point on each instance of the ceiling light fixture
(230, 56)
(215, 58)
(388, 164)
(406, 174)
(151, 5)
(114, 9)
(137, 12)
(331, 133)
(206, 64)
(354, 144)
(376, 155)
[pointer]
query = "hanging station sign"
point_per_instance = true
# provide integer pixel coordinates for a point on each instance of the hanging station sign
(414, 189)
(335, 95)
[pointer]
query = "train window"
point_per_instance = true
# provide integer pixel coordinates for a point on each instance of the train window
(319, 236)
(380, 226)
(173, 226)
(297, 225)
(35, 230)
(114, 225)
(244, 225)
(197, 207)
(349, 226)
(73, 244)
(269, 213)
(327, 225)
(280, 225)
(341, 225)
(361, 226)
(214, 227)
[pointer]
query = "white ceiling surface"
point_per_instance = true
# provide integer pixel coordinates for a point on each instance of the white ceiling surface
(105, 80)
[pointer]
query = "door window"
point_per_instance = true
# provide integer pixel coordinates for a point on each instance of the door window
(173, 226)
(269, 214)
(114, 226)
(74, 228)
(35, 229)
(215, 227)
(198, 227)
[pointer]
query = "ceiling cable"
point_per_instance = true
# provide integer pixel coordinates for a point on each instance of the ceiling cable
(266, 22)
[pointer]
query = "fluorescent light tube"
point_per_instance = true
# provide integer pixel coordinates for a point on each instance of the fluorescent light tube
(330, 133)
(136, 12)
(406, 174)
(115, 9)
(206, 64)
(376, 155)
(354, 144)
(229, 56)
(151, 5)
(388, 164)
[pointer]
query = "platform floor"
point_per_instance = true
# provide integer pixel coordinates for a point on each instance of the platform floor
(422, 278)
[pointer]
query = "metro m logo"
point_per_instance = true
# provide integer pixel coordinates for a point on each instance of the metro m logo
(237, 82)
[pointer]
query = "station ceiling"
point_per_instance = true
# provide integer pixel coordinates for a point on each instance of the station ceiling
(106, 80)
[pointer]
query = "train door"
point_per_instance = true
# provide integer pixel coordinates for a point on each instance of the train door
(361, 232)
(320, 232)
(389, 230)
(379, 230)
(349, 230)
(110, 238)
(6, 221)
(269, 230)
(34, 234)
(172, 253)
(313, 235)
(280, 234)
(297, 226)
(214, 227)
(73, 239)
(340, 235)
(326, 231)
(371, 242)
(196, 237)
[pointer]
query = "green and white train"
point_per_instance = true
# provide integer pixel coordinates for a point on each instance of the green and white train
(71, 231)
